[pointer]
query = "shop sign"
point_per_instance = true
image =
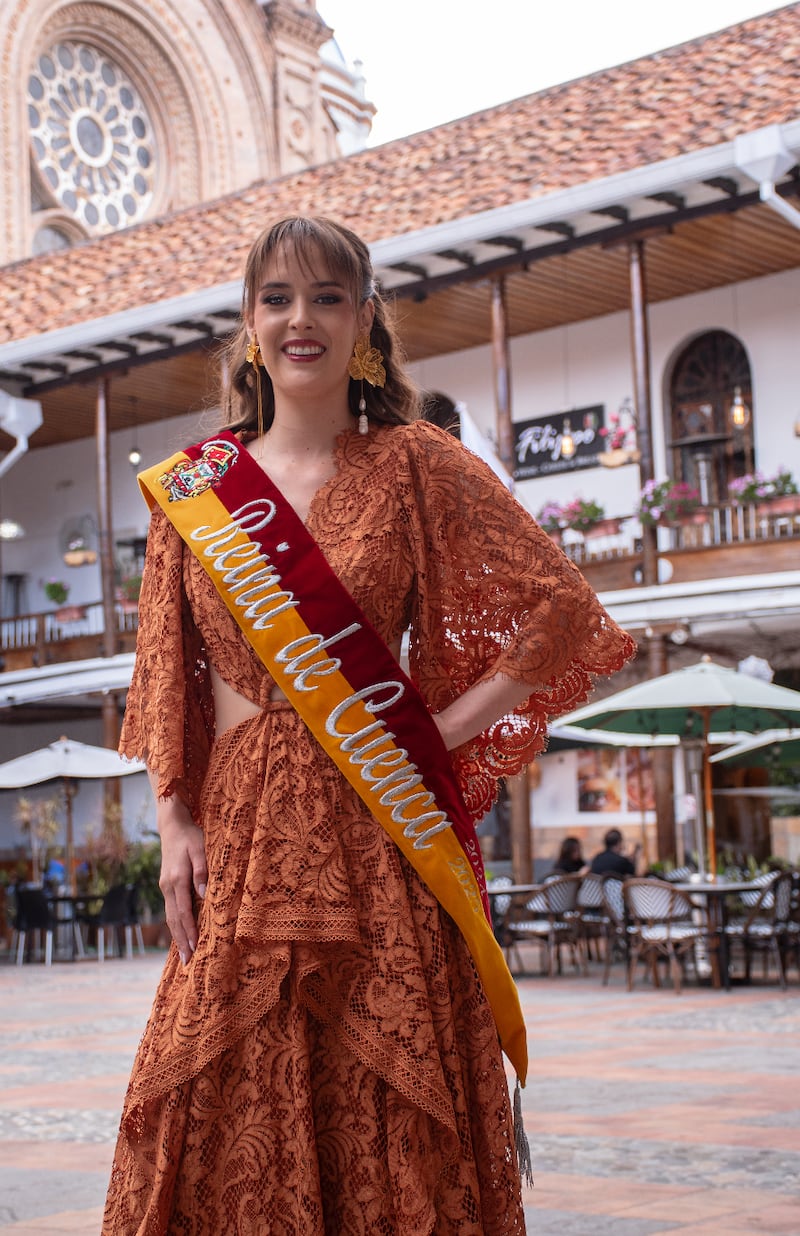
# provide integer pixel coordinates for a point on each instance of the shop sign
(538, 443)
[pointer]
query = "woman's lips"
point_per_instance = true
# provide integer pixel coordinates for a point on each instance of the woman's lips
(305, 350)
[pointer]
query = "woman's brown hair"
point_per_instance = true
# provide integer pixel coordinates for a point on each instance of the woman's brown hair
(347, 257)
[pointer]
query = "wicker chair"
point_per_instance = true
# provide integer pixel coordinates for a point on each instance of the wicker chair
(661, 926)
(767, 925)
(550, 917)
(617, 942)
(592, 913)
(499, 903)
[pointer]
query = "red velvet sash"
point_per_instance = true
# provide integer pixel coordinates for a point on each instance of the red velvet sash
(340, 676)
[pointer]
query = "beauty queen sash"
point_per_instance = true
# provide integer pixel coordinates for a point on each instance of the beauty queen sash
(345, 684)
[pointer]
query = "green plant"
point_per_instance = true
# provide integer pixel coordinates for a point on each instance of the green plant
(667, 502)
(107, 849)
(143, 868)
(56, 591)
(581, 514)
(130, 588)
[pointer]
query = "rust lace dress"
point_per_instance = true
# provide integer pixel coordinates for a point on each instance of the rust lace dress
(327, 1062)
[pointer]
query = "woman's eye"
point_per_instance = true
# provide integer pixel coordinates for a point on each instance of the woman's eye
(328, 298)
(274, 298)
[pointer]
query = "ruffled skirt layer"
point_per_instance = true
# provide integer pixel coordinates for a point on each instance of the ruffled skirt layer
(327, 1062)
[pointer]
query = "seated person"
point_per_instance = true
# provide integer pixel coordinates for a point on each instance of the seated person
(612, 858)
(570, 858)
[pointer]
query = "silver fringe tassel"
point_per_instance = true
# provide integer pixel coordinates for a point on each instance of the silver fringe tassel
(521, 1143)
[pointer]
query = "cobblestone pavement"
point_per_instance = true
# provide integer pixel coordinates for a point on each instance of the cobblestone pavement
(647, 1112)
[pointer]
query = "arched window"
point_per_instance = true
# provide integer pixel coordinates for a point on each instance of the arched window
(710, 428)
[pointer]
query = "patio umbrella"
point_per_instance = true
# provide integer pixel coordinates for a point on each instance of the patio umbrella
(773, 749)
(68, 761)
(685, 703)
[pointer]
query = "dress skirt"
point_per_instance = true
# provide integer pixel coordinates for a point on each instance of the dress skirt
(327, 1063)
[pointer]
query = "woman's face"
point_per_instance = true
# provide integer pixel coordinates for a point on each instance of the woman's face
(307, 321)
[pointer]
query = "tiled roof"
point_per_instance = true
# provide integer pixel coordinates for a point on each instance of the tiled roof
(696, 95)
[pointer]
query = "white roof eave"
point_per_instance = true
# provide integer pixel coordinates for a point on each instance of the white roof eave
(673, 174)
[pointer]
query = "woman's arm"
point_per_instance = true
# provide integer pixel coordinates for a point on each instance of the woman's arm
(183, 868)
(479, 707)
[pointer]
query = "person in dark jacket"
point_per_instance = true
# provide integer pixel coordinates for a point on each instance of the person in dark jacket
(612, 858)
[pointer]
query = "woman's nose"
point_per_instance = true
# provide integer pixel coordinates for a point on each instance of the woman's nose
(302, 315)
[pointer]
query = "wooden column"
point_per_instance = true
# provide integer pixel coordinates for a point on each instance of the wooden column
(519, 794)
(661, 761)
(518, 787)
(640, 356)
(501, 364)
(110, 708)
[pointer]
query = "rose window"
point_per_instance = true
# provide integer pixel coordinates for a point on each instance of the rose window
(91, 135)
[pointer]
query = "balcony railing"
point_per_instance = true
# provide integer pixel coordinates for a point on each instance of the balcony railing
(725, 540)
(67, 634)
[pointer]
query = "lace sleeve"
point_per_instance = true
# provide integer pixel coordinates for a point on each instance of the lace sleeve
(169, 712)
(495, 595)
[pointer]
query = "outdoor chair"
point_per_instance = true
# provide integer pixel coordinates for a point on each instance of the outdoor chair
(766, 927)
(678, 874)
(661, 926)
(591, 911)
(616, 921)
(32, 915)
(499, 904)
(550, 917)
(117, 919)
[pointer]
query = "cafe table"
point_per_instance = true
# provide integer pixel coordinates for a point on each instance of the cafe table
(714, 896)
(67, 908)
(509, 891)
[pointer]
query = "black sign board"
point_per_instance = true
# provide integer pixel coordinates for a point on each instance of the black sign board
(538, 442)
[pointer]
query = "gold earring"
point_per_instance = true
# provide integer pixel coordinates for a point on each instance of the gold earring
(253, 357)
(366, 363)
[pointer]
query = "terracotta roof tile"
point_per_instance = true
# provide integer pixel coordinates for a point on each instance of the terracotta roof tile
(695, 95)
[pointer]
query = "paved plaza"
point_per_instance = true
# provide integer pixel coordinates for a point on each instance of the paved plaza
(647, 1112)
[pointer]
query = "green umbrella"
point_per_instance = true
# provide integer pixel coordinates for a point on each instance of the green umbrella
(685, 703)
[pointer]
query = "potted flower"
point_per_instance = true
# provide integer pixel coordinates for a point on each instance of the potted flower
(620, 438)
(56, 591)
(669, 502)
(128, 592)
(778, 493)
(551, 520)
(589, 517)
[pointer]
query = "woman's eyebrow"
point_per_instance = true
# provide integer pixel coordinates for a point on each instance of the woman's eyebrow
(317, 283)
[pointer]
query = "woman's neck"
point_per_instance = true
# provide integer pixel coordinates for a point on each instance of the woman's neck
(306, 430)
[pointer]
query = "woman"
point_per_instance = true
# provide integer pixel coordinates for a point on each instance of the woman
(570, 858)
(321, 1057)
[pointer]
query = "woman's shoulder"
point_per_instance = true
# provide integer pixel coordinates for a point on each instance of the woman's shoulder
(425, 444)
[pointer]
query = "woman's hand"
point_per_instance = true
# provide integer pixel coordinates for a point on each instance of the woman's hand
(479, 707)
(183, 872)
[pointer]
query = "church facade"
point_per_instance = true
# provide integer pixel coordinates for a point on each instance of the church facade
(112, 113)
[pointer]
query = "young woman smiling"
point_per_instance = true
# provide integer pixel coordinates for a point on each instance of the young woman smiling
(324, 1053)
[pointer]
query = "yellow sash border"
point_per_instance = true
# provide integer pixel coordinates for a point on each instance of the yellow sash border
(442, 863)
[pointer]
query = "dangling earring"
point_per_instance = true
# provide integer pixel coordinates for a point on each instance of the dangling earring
(253, 357)
(366, 363)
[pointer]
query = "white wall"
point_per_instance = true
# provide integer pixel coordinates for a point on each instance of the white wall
(590, 363)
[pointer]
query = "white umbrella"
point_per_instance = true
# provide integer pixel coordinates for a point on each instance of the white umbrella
(773, 749)
(68, 761)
